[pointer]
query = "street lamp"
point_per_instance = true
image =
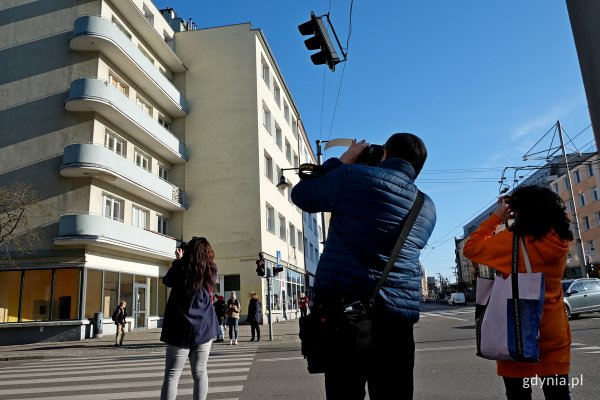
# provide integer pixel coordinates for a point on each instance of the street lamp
(283, 183)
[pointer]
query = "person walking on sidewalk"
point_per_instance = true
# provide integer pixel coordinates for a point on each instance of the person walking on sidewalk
(221, 311)
(233, 316)
(190, 321)
(254, 316)
(303, 304)
(120, 318)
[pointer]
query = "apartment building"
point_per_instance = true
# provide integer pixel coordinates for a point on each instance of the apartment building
(139, 131)
(583, 201)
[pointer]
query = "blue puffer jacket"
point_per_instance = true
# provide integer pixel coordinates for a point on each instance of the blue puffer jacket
(368, 205)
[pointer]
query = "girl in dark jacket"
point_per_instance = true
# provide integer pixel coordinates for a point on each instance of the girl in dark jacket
(190, 322)
(254, 316)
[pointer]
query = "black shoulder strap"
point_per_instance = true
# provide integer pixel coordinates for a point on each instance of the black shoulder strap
(408, 223)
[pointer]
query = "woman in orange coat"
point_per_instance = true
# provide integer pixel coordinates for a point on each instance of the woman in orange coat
(539, 217)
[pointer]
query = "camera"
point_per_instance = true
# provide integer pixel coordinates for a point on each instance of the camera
(371, 155)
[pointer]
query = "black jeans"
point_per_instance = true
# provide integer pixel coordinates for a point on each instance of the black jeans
(554, 387)
(393, 343)
(255, 330)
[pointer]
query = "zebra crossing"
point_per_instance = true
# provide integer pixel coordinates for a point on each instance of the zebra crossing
(461, 314)
(123, 376)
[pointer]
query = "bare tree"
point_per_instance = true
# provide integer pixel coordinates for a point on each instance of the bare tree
(19, 206)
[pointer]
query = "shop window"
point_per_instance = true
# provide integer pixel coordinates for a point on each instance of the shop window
(93, 293)
(126, 291)
(65, 302)
(153, 290)
(36, 295)
(111, 291)
(10, 282)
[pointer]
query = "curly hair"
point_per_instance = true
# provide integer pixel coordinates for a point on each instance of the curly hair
(199, 268)
(538, 210)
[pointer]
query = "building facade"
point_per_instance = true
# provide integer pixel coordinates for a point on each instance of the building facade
(139, 131)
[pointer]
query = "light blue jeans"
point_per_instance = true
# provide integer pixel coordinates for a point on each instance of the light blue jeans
(174, 362)
(233, 328)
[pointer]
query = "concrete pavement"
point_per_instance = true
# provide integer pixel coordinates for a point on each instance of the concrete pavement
(145, 341)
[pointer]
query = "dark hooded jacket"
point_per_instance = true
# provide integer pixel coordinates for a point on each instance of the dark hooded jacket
(189, 320)
(368, 205)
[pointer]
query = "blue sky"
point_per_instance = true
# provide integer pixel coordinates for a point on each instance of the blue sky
(480, 82)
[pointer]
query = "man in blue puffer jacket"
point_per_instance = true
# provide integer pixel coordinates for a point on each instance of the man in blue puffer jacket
(368, 205)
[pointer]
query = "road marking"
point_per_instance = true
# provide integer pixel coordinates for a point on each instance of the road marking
(443, 316)
(469, 346)
(280, 359)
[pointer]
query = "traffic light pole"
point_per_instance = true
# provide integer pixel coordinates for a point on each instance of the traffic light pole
(269, 319)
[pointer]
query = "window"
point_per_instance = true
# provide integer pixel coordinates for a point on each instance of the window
(320, 234)
(577, 176)
(113, 208)
(316, 255)
(267, 118)
(300, 241)
(114, 143)
(282, 227)
(270, 211)
(142, 160)
(586, 223)
(279, 173)
(311, 252)
(264, 72)
(292, 229)
(288, 151)
(286, 112)
(555, 188)
(164, 122)
(140, 218)
(314, 224)
(162, 224)
(598, 219)
(121, 28)
(582, 200)
(277, 94)
(566, 183)
(144, 105)
(295, 127)
(36, 289)
(146, 54)
(65, 294)
(118, 83)
(148, 14)
(93, 292)
(269, 167)
(595, 193)
(590, 170)
(278, 136)
(591, 247)
(296, 161)
(163, 172)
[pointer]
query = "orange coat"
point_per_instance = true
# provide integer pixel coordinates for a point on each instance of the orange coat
(547, 255)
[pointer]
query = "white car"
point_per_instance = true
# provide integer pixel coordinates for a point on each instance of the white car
(457, 298)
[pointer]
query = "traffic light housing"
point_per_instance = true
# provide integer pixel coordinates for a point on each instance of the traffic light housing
(277, 269)
(260, 265)
(320, 41)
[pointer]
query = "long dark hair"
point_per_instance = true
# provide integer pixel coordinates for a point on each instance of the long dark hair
(537, 211)
(199, 268)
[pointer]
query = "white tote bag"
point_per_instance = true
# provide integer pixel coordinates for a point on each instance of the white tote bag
(507, 325)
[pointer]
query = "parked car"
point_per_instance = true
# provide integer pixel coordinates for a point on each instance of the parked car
(581, 296)
(457, 298)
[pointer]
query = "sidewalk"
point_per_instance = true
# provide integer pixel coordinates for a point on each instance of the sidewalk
(146, 341)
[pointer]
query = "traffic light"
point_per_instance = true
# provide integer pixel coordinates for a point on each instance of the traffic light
(260, 265)
(320, 41)
(277, 269)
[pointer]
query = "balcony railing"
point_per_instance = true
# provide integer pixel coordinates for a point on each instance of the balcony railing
(91, 160)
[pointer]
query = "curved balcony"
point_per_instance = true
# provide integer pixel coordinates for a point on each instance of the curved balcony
(96, 95)
(90, 160)
(148, 33)
(92, 33)
(89, 229)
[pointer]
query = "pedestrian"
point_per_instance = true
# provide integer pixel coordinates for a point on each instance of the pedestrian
(233, 316)
(254, 316)
(368, 204)
(221, 311)
(303, 304)
(540, 218)
(190, 322)
(120, 318)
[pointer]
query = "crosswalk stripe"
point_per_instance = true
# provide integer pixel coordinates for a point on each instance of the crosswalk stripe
(445, 316)
(139, 395)
(110, 386)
